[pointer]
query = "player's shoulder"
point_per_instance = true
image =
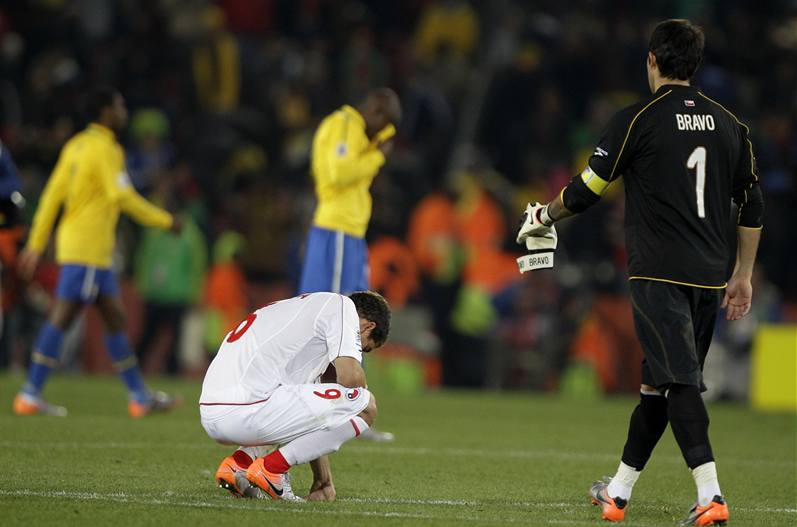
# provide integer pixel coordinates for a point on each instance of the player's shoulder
(75, 145)
(89, 140)
(325, 295)
(336, 118)
(721, 111)
(644, 107)
(333, 300)
(624, 118)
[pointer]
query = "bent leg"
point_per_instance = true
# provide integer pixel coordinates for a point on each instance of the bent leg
(322, 442)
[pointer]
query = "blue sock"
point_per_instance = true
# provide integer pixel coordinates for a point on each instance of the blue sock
(44, 358)
(127, 366)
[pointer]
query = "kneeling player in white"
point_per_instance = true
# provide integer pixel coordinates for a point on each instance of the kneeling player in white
(291, 375)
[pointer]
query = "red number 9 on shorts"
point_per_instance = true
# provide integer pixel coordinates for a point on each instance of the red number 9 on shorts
(331, 393)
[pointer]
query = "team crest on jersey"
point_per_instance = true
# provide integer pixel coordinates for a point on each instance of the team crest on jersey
(341, 150)
(352, 394)
(123, 180)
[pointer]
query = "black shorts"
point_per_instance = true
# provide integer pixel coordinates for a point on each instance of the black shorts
(674, 324)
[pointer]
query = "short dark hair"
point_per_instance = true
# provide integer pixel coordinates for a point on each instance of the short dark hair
(373, 306)
(97, 100)
(678, 46)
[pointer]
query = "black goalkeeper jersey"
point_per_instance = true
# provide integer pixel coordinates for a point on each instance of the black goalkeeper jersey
(682, 157)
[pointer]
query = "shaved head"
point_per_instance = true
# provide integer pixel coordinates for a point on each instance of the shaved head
(380, 108)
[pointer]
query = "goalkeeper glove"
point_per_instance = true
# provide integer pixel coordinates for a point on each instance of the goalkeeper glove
(539, 235)
(535, 220)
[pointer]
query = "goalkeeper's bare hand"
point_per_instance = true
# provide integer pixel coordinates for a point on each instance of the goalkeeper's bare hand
(738, 298)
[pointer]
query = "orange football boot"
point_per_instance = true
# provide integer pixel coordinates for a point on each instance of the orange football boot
(25, 404)
(613, 508)
(268, 482)
(159, 402)
(231, 476)
(715, 513)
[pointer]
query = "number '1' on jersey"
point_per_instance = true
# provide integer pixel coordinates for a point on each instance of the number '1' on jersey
(682, 157)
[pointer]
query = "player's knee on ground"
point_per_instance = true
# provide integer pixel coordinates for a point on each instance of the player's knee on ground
(369, 414)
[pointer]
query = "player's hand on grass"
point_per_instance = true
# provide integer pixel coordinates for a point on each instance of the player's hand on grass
(28, 262)
(738, 298)
(322, 491)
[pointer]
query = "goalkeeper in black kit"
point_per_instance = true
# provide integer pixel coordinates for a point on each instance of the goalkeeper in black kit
(684, 158)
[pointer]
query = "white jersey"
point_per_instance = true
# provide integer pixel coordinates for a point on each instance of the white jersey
(288, 342)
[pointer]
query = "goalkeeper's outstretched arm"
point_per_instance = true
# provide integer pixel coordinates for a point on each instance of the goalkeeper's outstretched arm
(557, 211)
(583, 191)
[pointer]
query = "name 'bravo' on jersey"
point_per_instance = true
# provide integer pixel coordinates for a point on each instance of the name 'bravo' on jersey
(683, 158)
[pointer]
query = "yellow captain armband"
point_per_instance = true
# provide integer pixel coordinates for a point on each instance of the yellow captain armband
(583, 191)
(593, 181)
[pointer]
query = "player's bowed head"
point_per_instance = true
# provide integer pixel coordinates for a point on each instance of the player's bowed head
(381, 110)
(374, 313)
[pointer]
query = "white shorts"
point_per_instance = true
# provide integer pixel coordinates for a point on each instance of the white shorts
(288, 413)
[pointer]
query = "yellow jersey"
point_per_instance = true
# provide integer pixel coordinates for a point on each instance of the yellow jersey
(344, 163)
(91, 183)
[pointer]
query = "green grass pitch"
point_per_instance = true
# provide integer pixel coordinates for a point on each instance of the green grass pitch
(460, 458)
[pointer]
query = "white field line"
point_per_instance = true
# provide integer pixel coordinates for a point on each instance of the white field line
(123, 497)
(287, 508)
(392, 450)
(530, 504)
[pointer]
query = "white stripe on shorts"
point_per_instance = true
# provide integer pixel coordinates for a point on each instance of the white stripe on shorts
(337, 270)
(88, 284)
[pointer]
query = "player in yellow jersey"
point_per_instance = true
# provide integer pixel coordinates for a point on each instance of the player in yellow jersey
(91, 187)
(349, 149)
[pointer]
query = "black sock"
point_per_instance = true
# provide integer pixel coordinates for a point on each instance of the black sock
(689, 422)
(648, 422)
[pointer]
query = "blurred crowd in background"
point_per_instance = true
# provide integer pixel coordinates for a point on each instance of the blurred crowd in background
(502, 102)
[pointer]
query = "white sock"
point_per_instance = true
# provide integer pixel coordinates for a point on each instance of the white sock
(623, 482)
(707, 483)
(256, 451)
(316, 444)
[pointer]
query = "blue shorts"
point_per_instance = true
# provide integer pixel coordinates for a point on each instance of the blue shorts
(81, 283)
(334, 262)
